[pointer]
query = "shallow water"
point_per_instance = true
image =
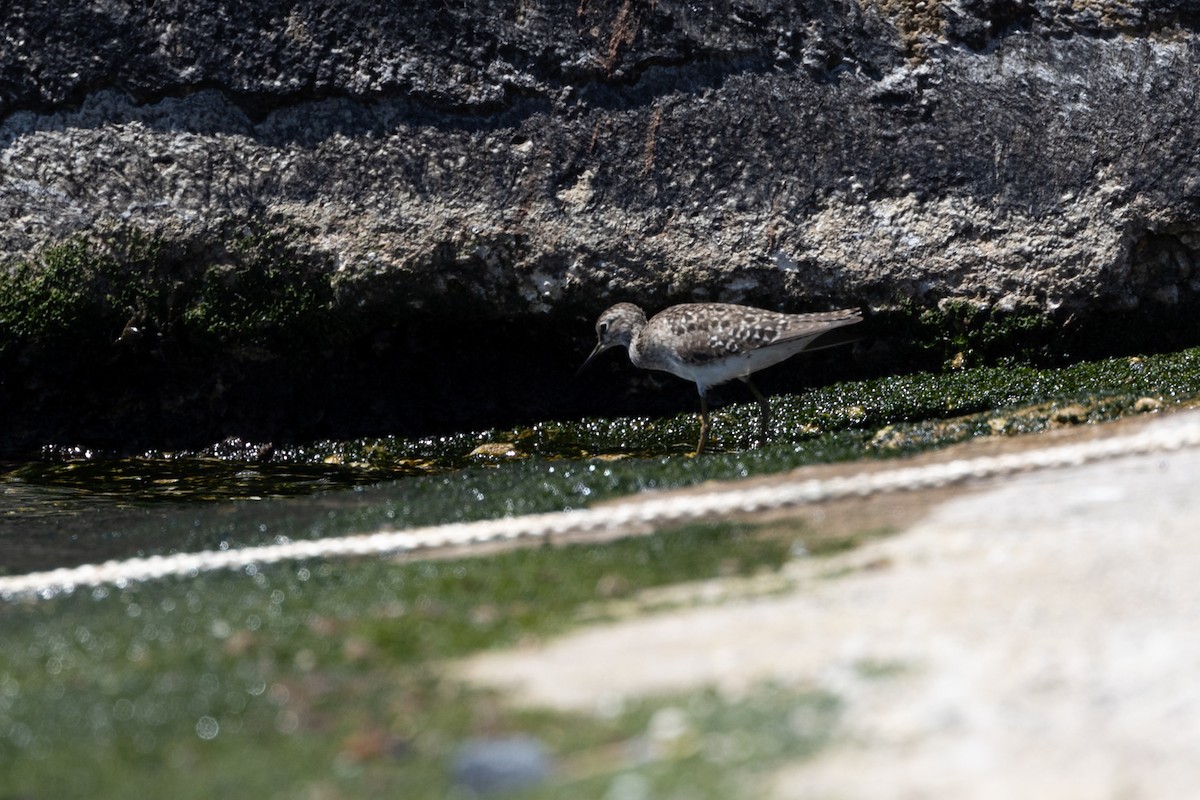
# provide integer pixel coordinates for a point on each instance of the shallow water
(131, 510)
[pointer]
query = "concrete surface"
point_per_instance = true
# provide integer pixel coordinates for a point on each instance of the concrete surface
(1034, 638)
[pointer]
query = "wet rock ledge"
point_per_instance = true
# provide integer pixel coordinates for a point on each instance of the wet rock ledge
(281, 220)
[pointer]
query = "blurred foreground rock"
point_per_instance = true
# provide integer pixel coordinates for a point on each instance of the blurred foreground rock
(1033, 637)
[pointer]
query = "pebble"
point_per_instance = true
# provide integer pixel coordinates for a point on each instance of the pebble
(492, 766)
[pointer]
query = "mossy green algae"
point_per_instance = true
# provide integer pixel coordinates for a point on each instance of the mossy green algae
(79, 297)
(259, 681)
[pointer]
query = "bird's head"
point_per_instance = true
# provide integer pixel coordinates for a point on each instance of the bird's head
(616, 326)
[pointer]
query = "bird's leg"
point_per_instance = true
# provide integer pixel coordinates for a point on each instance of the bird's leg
(703, 423)
(764, 417)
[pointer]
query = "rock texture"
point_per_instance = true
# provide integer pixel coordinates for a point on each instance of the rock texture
(500, 167)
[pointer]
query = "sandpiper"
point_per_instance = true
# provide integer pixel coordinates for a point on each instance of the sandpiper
(711, 343)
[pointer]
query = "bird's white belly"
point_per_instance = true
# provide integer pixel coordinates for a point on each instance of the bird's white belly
(719, 371)
(713, 373)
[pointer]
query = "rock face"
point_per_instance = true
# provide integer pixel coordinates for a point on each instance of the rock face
(466, 181)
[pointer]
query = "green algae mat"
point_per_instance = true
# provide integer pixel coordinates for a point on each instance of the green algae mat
(328, 678)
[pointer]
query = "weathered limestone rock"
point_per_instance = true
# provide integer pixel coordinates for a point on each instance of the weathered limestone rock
(524, 164)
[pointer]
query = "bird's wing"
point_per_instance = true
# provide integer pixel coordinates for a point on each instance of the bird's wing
(802, 326)
(704, 332)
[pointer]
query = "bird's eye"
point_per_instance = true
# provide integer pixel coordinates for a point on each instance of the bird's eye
(602, 328)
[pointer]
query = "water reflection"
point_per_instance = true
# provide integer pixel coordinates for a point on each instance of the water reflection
(148, 480)
(74, 506)
(67, 514)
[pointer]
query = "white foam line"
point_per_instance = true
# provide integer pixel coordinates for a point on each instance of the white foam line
(642, 512)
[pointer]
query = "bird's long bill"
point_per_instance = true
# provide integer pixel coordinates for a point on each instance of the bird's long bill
(597, 350)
